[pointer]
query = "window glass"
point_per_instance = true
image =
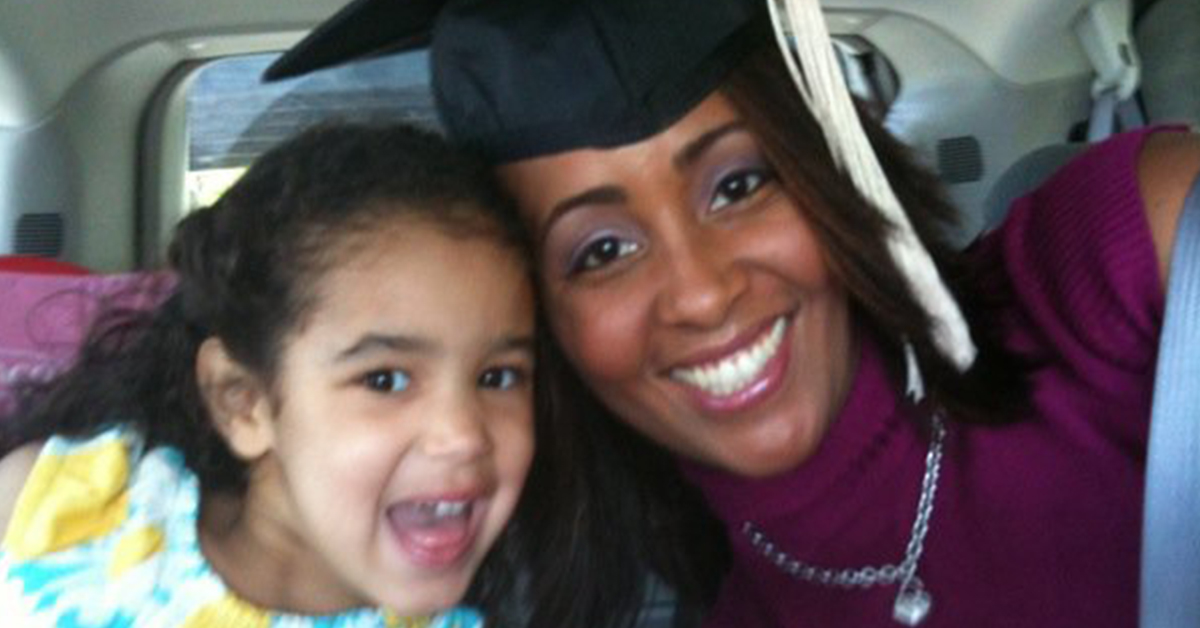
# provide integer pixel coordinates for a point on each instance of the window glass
(232, 117)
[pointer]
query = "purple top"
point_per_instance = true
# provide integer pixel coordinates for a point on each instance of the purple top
(1034, 524)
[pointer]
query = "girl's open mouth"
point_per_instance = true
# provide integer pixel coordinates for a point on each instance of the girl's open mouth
(434, 533)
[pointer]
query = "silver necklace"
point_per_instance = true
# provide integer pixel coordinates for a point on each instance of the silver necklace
(913, 602)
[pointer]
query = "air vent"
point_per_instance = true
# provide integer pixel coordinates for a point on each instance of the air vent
(959, 159)
(39, 234)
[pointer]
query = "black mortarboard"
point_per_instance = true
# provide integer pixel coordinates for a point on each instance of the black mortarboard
(522, 78)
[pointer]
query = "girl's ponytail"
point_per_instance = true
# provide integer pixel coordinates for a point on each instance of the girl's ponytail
(137, 367)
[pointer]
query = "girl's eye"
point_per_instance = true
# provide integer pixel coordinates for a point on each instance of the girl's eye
(389, 381)
(601, 252)
(738, 186)
(502, 378)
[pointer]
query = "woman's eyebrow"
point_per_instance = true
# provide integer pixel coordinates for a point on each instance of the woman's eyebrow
(601, 195)
(611, 194)
(697, 147)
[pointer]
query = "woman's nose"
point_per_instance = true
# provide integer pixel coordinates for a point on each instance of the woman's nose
(702, 281)
(456, 428)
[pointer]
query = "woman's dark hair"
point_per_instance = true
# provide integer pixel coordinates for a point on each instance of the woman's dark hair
(854, 236)
(244, 270)
(624, 516)
(635, 512)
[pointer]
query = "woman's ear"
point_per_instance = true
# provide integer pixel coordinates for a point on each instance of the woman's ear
(237, 401)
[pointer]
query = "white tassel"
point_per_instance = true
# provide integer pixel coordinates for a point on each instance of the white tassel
(915, 386)
(824, 91)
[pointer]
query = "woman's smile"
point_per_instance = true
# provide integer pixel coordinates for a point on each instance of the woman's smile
(742, 374)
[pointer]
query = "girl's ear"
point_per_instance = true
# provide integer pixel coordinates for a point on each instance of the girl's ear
(238, 402)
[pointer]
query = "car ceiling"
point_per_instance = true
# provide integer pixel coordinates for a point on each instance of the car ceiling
(1022, 41)
(84, 35)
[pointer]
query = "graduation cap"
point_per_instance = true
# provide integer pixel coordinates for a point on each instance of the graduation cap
(523, 78)
(361, 29)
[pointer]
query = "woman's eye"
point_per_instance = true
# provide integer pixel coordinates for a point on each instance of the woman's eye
(738, 186)
(388, 381)
(502, 378)
(601, 252)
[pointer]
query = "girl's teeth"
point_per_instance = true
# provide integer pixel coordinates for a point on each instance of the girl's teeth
(736, 371)
(450, 509)
(442, 509)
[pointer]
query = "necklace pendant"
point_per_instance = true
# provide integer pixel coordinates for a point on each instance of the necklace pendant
(912, 606)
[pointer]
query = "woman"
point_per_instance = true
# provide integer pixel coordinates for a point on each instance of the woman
(712, 267)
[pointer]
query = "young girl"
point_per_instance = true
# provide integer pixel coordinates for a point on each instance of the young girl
(328, 422)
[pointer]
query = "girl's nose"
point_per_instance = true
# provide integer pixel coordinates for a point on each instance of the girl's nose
(456, 428)
(702, 281)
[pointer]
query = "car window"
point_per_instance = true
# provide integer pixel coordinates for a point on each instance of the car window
(232, 116)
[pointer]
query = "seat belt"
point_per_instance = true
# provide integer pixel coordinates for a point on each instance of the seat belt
(1110, 115)
(1170, 579)
(1103, 29)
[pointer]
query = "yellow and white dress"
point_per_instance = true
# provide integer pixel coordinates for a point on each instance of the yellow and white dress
(104, 535)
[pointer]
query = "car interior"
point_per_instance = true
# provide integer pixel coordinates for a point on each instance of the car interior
(118, 117)
(115, 118)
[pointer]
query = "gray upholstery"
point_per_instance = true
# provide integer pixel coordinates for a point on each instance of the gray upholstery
(1168, 41)
(1023, 176)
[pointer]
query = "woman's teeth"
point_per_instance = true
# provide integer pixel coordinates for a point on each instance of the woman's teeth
(732, 374)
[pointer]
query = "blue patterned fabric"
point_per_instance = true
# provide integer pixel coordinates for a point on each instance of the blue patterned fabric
(103, 536)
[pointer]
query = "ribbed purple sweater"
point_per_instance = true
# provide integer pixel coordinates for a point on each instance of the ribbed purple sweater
(1035, 524)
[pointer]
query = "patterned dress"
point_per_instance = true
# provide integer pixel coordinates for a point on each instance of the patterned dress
(105, 536)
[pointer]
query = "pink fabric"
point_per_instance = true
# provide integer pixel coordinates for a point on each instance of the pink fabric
(44, 318)
(1035, 524)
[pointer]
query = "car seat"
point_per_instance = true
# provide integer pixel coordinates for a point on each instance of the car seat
(1024, 176)
(1103, 29)
(49, 307)
(1168, 40)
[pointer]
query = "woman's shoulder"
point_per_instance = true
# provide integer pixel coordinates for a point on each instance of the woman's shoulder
(1168, 166)
(1080, 256)
(1149, 169)
(1118, 202)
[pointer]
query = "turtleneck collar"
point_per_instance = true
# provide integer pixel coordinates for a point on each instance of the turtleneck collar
(857, 441)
